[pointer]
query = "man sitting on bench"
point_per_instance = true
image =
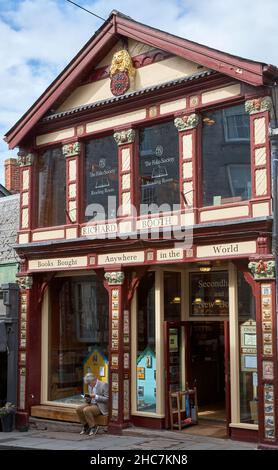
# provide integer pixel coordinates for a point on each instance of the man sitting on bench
(96, 403)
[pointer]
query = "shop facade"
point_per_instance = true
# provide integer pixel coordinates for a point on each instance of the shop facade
(145, 234)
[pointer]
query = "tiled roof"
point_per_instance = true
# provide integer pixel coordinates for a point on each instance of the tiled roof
(143, 91)
(9, 223)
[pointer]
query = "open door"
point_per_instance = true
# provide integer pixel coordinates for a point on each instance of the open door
(177, 354)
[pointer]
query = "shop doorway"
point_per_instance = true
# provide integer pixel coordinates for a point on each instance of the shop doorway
(207, 364)
(197, 354)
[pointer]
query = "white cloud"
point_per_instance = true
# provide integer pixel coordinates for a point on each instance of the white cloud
(39, 37)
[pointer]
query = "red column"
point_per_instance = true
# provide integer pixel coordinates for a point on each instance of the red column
(264, 272)
(119, 352)
(25, 284)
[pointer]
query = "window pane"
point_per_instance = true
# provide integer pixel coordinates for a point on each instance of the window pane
(146, 356)
(78, 336)
(101, 173)
(226, 156)
(172, 296)
(247, 352)
(209, 294)
(159, 165)
(51, 188)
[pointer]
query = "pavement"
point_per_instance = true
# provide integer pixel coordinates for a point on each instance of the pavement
(132, 439)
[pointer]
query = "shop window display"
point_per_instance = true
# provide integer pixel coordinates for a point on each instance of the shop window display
(248, 353)
(78, 336)
(146, 356)
(172, 296)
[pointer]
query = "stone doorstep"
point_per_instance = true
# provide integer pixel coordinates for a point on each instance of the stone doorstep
(52, 425)
(41, 424)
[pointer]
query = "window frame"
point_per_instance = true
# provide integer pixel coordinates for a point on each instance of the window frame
(199, 157)
(83, 222)
(35, 191)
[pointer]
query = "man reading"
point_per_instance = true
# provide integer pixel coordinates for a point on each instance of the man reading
(96, 403)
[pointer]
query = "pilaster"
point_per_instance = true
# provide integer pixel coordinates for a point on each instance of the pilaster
(25, 161)
(263, 272)
(258, 109)
(25, 284)
(187, 127)
(119, 352)
(71, 152)
(127, 193)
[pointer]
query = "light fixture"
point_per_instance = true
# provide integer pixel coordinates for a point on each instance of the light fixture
(176, 300)
(217, 301)
(198, 300)
(205, 269)
(208, 121)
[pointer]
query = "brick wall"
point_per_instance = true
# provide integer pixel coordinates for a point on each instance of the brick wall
(12, 181)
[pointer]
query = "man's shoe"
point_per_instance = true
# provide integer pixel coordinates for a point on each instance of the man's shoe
(84, 430)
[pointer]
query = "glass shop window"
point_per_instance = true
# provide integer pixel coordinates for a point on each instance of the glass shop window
(172, 296)
(101, 179)
(146, 355)
(209, 294)
(159, 166)
(78, 336)
(51, 182)
(226, 165)
(247, 353)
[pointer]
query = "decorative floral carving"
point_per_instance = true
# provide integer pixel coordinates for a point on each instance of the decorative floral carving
(25, 159)
(121, 71)
(116, 277)
(71, 150)
(258, 105)
(25, 282)
(125, 137)
(184, 123)
(262, 269)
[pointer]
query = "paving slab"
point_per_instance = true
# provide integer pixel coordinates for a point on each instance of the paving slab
(134, 439)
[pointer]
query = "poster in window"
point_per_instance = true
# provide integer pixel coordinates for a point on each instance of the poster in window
(173, 341)
(141, 373)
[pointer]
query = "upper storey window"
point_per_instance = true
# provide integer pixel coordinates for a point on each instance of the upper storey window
(101, 179)
(51, 188)
(226, 156)
(159, 167)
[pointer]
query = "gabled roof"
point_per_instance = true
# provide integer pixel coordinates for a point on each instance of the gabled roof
(116, 27)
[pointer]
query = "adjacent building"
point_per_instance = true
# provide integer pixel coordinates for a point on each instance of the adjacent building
(146, 231)
(9, 266)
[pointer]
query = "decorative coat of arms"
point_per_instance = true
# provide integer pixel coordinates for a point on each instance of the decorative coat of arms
(121, 71)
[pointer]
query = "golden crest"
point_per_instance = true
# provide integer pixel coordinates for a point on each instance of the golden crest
(122, 62)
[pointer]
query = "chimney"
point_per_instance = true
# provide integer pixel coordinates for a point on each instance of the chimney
(12, 175)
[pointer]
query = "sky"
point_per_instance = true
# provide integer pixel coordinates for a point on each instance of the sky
(39, 37)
